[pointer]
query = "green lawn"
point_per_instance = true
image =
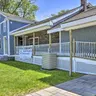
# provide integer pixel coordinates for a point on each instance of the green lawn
(17, 79)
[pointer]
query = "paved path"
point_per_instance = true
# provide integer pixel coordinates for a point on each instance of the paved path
(83, 86)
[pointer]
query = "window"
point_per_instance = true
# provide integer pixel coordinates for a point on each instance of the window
(4, 27)
(0, 43)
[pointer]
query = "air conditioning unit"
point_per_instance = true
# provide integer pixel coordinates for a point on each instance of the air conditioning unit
(49, 61)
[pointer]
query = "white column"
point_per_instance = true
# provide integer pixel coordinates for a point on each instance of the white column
(71, 52)
(25, 40)
(33, 43)
(50, 43)
(60, 42)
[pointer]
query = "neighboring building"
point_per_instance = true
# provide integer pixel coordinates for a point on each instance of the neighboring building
(9, 23)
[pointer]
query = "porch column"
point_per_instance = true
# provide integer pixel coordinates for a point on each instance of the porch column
(14, 45)
(60, 42)
(23, 39)
(50, 43)
(16, 41)
(33, 43)
(70, 36)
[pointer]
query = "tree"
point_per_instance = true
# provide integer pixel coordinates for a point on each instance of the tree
(59, 13)
(62, 11)
(22, 8)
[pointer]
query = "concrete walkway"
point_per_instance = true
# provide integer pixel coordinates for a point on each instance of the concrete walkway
(83, 86)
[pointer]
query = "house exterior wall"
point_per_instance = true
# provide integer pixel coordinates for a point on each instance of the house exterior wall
(64, 36)
(85, 34)
(14, 25)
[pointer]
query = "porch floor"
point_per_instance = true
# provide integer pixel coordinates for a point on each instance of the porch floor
(83, 86)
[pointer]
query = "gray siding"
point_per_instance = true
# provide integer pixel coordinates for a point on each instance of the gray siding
(85, 34)
(65, 36)
(14, 25)
(11, 45)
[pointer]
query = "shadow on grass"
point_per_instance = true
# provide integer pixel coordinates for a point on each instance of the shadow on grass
(56, 76)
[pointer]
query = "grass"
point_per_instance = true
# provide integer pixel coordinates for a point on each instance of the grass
(17, 79)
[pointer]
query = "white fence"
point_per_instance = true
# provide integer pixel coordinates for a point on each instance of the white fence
(80, 49)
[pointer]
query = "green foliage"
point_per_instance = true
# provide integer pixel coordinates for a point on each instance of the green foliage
(22, 8)
(62, 11)
(59, 13)
(17, 79)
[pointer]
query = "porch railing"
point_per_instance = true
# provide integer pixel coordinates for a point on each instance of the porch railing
(80, 49)
(65, 49)
(85, 49)
(18, 48)
(40, 49)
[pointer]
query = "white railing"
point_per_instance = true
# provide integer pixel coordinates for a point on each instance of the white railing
(43, 48)
(65, 49)
(80, 49)
(21, 47)
(85, 49)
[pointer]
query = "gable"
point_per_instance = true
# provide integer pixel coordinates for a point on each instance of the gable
(16, 25)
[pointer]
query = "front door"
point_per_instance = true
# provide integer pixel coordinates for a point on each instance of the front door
(5, 45)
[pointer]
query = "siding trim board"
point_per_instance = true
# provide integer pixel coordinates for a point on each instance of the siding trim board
(81, 23)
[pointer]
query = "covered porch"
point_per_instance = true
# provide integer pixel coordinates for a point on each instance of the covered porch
(39, 42)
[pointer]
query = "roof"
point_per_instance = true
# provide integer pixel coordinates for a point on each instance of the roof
(49, 19)
(88, 13)
(16, 18)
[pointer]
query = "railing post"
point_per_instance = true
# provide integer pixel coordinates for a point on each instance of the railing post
(60, 42)
(71, 53)
(33, 44)
(74, 47)
(50, 43)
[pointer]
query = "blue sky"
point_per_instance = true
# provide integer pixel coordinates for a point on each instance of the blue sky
(48, 7)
